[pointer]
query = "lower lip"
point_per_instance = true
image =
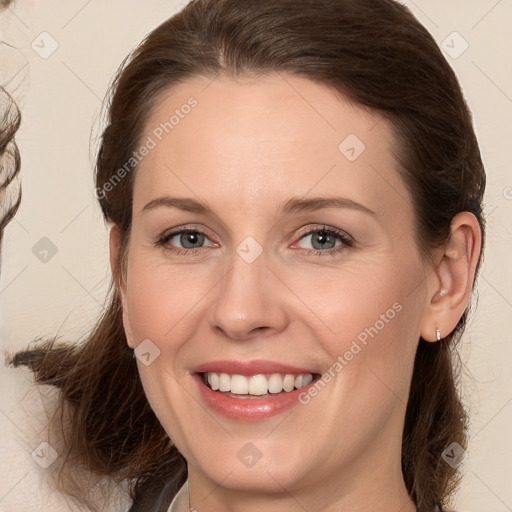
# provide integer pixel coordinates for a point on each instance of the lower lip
(249, 409)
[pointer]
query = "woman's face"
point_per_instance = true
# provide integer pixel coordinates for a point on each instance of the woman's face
(273, 236)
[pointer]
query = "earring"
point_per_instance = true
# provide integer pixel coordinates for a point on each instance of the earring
(438, 334)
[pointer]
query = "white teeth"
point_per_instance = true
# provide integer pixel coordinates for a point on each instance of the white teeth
(224, 382)
(307, 379)
(257, 384)
(239, 385)
(275, 383)
(213, 380)
(289, 383)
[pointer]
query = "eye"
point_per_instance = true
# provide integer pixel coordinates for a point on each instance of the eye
(324, 240)
(184, 240)
(188, 239)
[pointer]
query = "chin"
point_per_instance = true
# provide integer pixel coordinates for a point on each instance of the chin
(259, 467)
(264, 477)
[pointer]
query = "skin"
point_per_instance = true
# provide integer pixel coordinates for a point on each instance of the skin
(250, 145)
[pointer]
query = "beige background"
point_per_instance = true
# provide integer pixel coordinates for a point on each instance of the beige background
(61, 98)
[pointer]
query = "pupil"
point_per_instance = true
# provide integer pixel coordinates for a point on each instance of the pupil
(190, 240)
(322, 239)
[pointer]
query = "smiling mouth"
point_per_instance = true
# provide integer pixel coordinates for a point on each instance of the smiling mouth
(255, 386)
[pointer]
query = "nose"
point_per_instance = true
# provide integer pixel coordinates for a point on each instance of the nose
(250, 302)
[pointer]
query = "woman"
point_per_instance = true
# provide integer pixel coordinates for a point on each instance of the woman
(295, 200)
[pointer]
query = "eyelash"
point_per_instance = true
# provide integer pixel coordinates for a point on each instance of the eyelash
(336, 233)
(346, 242)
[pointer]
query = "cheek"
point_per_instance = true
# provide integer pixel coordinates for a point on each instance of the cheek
(162, 297)
(366, 319)
(358, 300)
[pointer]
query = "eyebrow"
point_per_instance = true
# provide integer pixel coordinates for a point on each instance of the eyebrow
(290, 206)
(180, 203)
(317, 203)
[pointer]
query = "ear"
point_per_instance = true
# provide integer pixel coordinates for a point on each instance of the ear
(450, 283)
(119, 281)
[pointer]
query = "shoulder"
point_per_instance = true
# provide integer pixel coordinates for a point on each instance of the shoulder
(28, 452)
(23, 452)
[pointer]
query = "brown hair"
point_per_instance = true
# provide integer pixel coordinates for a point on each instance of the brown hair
(10, 163)
(378, 55)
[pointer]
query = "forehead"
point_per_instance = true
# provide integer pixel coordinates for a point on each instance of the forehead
(260, 138)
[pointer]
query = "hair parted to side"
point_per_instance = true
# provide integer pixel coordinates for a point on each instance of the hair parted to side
(379, 56)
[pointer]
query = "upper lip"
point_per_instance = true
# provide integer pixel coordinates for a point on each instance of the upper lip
(249, 367)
